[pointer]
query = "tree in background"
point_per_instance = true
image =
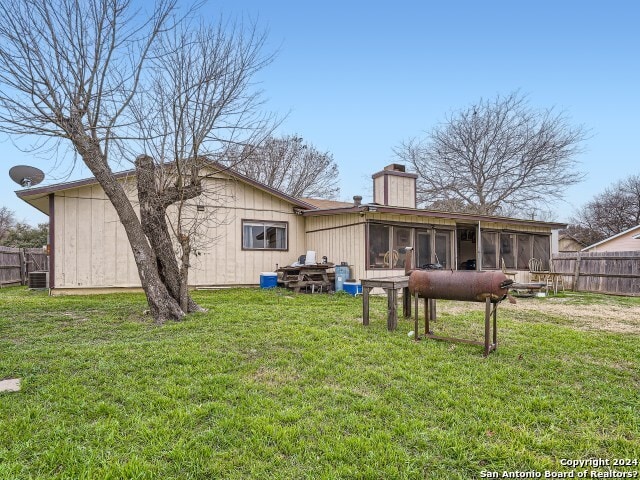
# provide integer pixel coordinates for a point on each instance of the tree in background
(496, 157)
(23, 235)
(291, 165)
(7, 221)
(613, 211)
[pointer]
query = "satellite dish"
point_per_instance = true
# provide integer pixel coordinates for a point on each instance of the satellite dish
(26, 176)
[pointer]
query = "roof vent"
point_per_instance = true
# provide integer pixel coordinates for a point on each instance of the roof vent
(357, 200)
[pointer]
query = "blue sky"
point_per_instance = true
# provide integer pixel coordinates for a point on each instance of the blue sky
(358, 78)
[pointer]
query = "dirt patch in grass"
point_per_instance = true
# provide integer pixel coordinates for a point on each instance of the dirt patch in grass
(273, 377)
(609, 318)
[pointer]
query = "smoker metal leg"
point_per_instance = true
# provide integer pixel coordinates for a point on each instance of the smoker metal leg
(415, 313)
(427, 316)
(495, 328)
(487, 326)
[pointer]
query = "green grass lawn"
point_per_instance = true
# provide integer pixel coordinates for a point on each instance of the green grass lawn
(268, 384)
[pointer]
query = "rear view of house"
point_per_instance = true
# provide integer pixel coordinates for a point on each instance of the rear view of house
(257, 228)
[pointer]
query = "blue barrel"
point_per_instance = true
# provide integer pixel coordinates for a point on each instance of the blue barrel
(353, 288)
(342, 273)
(268, 280)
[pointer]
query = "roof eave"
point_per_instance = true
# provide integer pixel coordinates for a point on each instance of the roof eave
(433, 213)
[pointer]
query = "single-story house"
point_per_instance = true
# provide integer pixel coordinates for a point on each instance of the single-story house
(626, 241)
(260, 228)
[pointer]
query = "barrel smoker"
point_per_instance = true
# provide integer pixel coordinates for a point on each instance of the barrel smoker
(490, 287)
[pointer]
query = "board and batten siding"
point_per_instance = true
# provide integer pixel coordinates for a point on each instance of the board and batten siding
(340, 238)
(224, 262)
(92, 249)
(623, 243)
(91, 246)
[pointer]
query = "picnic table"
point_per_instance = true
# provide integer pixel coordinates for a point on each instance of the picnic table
(305, 276)
(531, 288)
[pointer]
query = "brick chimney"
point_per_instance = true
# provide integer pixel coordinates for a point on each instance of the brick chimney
(394, 187)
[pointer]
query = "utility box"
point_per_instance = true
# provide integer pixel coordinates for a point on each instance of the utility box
(38, 280)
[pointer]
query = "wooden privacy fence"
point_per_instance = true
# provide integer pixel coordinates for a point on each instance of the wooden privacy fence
(17, 263)
(602, 272)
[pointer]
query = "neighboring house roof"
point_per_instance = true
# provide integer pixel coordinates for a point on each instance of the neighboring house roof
(570, 237)
(606, 240)
(38, 196)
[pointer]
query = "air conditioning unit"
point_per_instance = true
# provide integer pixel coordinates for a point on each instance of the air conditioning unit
(38, 280)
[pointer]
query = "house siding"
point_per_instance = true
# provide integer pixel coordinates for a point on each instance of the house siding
(623, 243)
(378, 190)
(223, 261)
(92, 249)
(341, 238)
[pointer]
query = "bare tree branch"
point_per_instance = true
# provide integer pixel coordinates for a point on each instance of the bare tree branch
(613, 211)
(200, 102)
(496, 157)
(290, 165)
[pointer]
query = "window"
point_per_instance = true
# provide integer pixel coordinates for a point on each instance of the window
(541, 250)
(386, 244)
(507, 252)
(402, 237)
(524, 251)
(424, 249)
(443, 248)
(515, 249)
(258, 235)
(489, 250)
(379, 246)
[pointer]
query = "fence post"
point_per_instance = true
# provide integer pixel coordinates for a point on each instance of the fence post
(576, 273)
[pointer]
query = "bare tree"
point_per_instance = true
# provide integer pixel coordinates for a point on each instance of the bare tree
(610, 212)
(496, 157)
(199, 104)
(583, 235)
(7, 222)
(292, 166)
(68, 71)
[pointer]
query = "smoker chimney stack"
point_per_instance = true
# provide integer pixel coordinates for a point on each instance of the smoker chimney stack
(357, 200)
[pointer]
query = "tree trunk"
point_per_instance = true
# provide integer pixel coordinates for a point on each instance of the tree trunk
(154, 224)
(162, 305)
(185, 244)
